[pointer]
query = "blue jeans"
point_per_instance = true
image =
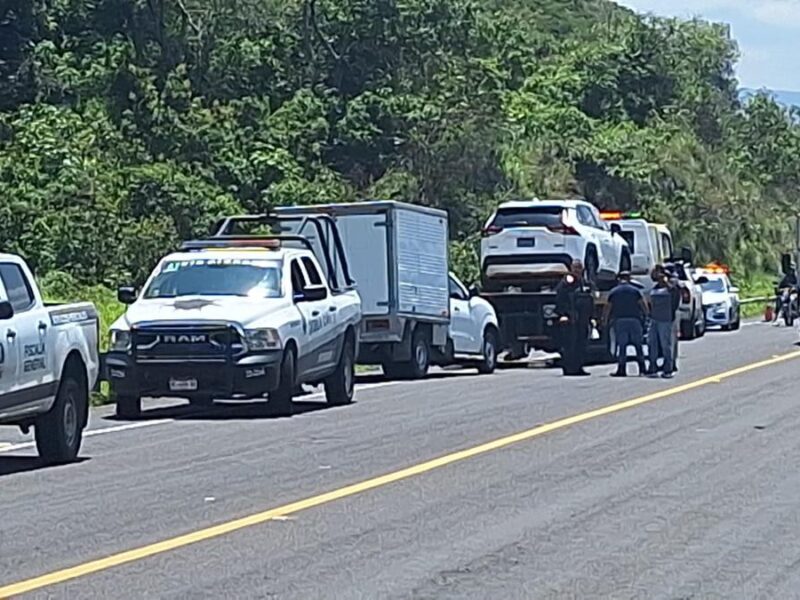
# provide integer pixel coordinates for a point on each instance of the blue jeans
(660, 338)
(629, 332)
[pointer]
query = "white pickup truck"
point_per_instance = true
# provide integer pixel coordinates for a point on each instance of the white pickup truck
(238, 316)
(48, 363)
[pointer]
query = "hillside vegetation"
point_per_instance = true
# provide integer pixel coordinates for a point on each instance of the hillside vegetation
(126, 125)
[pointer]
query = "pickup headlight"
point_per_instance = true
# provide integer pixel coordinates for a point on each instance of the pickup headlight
(120, 340)
(262, 339)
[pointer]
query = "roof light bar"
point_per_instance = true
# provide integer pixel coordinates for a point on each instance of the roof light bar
(618, 215)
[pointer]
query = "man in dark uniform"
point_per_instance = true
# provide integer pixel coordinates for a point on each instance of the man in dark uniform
(574, 308)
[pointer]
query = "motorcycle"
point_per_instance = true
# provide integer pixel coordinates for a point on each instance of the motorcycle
(789, 305)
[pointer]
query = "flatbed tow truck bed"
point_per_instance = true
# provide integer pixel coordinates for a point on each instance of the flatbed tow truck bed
(527, 320)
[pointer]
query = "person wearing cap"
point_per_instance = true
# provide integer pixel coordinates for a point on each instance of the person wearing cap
(662, 324)
(574, 308)
(626, 312)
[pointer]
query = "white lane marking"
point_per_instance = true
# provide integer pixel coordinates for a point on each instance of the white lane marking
(6, 447)
(91, 432)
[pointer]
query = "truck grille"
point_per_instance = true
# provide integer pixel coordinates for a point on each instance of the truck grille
(186, 342)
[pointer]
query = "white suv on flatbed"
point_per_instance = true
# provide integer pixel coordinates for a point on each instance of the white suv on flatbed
(539, 239)
(48, 363)
(236, 317)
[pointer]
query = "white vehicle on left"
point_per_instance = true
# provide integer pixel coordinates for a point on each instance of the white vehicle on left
(49, 363)
(236, 316)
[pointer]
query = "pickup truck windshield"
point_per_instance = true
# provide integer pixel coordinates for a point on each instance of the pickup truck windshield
(217, 277)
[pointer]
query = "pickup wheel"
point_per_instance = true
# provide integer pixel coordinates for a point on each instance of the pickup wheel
(489, 362)
(128, 407)
(59, 433)
(281, 398)
(340, 387)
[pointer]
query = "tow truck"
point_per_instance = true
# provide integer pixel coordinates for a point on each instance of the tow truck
(240, 315)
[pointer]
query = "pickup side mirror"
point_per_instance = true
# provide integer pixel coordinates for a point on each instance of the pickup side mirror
(734, 290)
(6, 310)
(474, 290)
(312, 293)
(616, 229)
(126, 295)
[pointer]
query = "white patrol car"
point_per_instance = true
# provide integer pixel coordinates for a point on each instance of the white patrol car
(48, 363)
(237, 317)
(720, 298)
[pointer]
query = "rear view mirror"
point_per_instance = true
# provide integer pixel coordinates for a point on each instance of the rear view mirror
(616, 229)
(6, 310)
(312, 293)
(734, 290)
(702, 280)
(126, 295)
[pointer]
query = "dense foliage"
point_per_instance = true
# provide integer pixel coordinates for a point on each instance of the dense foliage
(126, 125)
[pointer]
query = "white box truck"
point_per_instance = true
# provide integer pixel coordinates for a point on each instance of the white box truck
(398, 256)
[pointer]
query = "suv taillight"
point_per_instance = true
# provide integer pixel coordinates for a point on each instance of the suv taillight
(491, 230)
(563, 229)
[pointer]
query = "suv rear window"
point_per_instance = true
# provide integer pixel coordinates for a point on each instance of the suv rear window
(535, 216)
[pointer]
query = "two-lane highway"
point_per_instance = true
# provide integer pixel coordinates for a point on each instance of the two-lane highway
(518, 485)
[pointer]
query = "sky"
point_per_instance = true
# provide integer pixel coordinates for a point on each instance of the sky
(767, 31)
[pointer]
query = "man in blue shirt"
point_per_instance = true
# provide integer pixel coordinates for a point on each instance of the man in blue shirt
(626, 312)
(662, 318)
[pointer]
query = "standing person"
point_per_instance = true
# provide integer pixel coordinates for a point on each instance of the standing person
(675, 289)
(574, 308)
(626, 312)
(662, 320)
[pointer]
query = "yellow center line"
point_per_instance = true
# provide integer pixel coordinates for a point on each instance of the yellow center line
(142, 552)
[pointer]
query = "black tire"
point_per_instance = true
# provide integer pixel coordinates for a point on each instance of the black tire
(59, 432)
(340, 387)
(687, 330)
(489, 362)
(737, 324)
(591, 265)
(700, 328)
(128, 407)
(280, 399)
(420, 361)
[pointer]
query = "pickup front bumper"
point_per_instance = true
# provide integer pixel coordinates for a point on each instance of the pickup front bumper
(249, 376)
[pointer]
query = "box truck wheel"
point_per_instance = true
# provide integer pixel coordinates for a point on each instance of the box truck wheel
(420, 361)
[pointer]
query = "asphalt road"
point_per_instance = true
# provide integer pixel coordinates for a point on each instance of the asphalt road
(690, 490)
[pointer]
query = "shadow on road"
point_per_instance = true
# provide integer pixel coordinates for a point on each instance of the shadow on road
(11, 465)
(226, 411)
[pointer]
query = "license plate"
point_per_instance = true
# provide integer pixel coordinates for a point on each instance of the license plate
(183, 385)
(526, 242)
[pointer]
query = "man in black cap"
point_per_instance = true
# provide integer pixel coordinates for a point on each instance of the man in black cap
(626, 312)
(574, 308)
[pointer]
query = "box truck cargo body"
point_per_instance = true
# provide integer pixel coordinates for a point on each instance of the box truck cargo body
(398, 256)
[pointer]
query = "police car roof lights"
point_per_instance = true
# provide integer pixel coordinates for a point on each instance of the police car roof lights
(618, 215)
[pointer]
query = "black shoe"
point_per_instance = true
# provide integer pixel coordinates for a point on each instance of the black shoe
(619, 374)
(580, 373)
